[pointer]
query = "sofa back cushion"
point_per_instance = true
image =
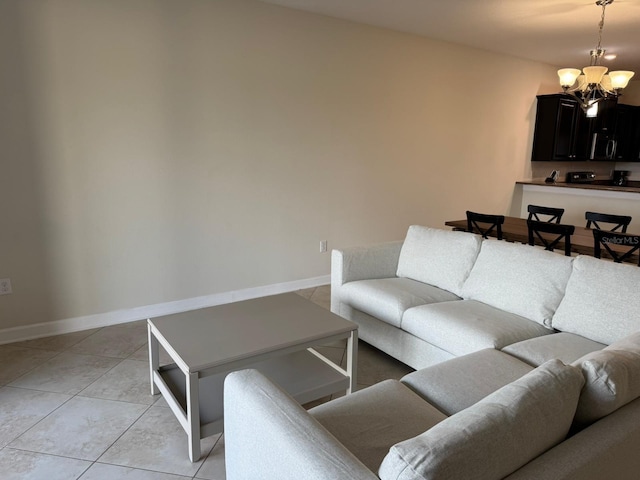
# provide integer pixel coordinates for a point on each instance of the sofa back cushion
(441, 258)
(495, 436)
(612, 379)
(601, 301)
(519, 279)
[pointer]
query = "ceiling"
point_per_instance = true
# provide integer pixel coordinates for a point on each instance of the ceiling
(558, 32)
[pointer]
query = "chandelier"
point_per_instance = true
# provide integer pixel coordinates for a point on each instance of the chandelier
(593, 83)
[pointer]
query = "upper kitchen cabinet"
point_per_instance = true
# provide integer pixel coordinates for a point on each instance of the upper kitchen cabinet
(564, 133)
(561, 130)
(628, 133)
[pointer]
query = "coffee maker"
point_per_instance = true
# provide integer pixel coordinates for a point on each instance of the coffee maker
(620, 177)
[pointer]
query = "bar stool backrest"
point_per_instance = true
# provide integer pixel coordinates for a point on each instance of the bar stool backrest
(554, 214)
(561, 232)
(484, 224)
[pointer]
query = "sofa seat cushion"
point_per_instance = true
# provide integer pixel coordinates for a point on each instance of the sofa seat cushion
(497, 435)
(388, 298)
(438, 257)
(467, 326)
(458, 383)
(601, 301)
(368, 422)
(563, 346)
(612, 379)
(519, 279)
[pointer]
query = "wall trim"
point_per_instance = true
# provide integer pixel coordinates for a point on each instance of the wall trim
(70, 325)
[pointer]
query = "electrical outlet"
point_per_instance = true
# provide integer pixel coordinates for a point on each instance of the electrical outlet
(5, 286)
(323, 246)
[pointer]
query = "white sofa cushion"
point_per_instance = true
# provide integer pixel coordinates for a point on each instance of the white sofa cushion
(370, 421)
(458, 383)
(497, 435)
(520, 279)
(388, 298)
(601, 301)
(566, 347)
(438, 257)
(467, 326)
(612, 379)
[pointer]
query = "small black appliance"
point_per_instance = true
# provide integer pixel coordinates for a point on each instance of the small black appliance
(580, 177)
(620, 177)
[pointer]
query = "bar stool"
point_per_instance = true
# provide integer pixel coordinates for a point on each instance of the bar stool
(484, 224)
(536, 228)
(554, 214)
(626, 245)
(619, 221)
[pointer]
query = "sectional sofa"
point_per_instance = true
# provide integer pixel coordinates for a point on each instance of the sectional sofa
(440, 294)
(527, 367)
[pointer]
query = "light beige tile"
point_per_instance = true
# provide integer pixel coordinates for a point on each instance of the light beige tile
(101, 471)
(81, 428)
(66, 373)
(213, 467)
(375, 366)
(57, 342)
(142, 354)
(156, 442)
(21, 409)
(16, 361)
(118, 341)
(306, 292)
(21, 465)
(322, 296)
(128, 381)
(161, 402)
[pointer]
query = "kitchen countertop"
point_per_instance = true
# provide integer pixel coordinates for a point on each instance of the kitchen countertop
(602, 185)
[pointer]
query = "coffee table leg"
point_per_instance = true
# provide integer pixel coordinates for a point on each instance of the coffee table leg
(193, 416)
(352, 361)
(154, 359)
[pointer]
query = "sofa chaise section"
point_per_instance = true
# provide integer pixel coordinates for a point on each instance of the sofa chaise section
(485, 415)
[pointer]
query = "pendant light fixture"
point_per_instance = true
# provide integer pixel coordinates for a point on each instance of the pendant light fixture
(593, 83)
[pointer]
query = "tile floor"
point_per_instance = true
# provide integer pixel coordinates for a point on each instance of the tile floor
(78, 406)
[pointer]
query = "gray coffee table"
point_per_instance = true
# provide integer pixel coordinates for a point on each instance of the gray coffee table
(272, 334)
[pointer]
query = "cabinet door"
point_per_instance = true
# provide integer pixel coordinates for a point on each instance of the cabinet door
(561, 130)
(624, 133)
(565, 134)
(627, 133)
(634, 151)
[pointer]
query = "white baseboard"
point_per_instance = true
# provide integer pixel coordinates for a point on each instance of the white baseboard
(69, 325)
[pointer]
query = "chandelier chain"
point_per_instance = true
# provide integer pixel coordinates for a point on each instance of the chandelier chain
(598, 52)
(601, 26)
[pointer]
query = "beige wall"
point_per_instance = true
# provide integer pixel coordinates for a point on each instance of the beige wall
(158, 150)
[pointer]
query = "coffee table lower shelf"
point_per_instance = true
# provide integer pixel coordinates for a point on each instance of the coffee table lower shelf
(305, 375)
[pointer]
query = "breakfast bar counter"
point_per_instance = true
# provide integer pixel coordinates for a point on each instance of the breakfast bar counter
(578, 198)
(598, 185)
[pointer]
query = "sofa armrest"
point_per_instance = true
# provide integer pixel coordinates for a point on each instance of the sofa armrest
(269, 435)
(363, 263)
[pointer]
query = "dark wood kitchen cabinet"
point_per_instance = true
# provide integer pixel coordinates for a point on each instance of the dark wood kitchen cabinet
(628, 133)
(561, 130)
(564, 133)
